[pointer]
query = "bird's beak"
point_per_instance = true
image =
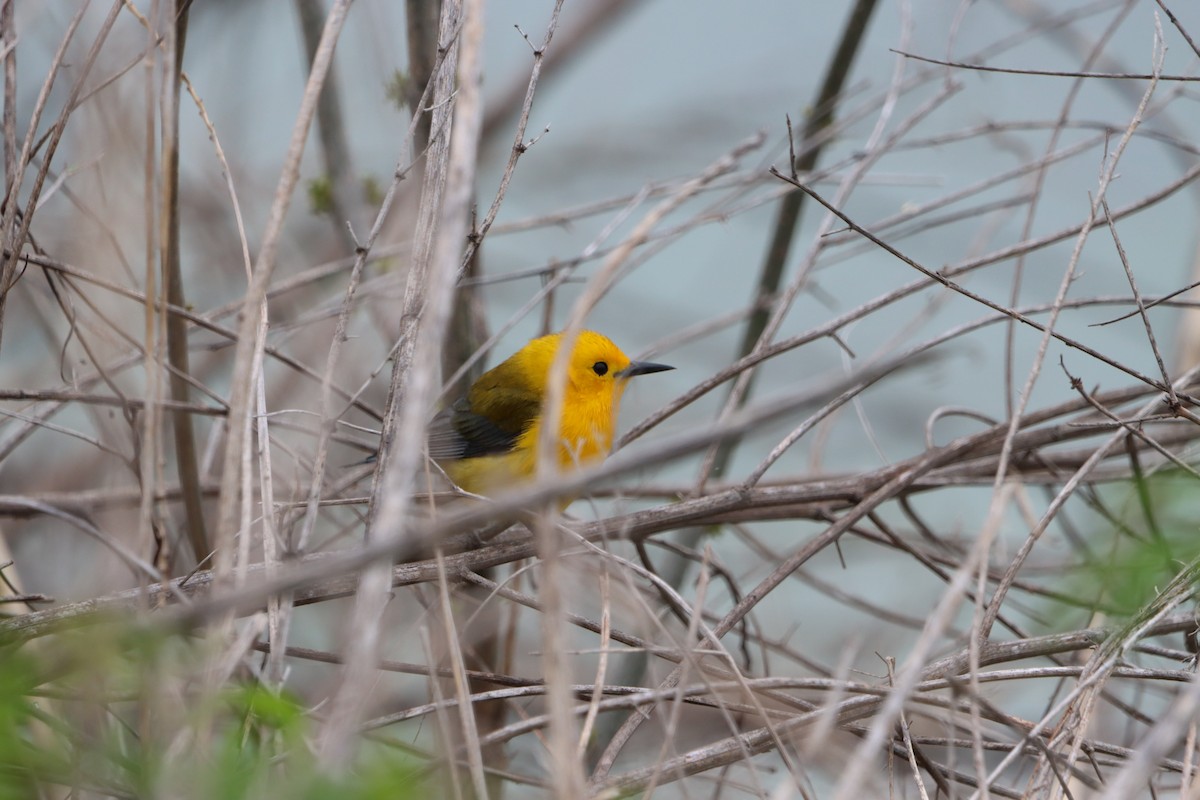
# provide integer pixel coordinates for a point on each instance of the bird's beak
(641, 368)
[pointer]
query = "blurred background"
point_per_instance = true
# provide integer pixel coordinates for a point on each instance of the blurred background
(987, 176)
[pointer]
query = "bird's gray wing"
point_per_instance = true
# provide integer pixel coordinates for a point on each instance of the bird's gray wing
(459, 432)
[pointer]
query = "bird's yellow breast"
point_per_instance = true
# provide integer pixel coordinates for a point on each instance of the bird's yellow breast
(586, 429)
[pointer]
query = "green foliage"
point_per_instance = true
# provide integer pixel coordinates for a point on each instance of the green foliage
(1136, 573)
(1151, 539)
(320, 195)
(261, 751)
(18, 758)
(396, 90)
(382, 777)
(113, 708)
(372, 191)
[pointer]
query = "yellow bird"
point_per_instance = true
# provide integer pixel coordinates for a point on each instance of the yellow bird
(488, 439)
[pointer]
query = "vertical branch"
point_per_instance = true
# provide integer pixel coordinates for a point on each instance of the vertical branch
(468, 330)
(596, 18)
(426, 306)
(9, 122)
(787, 219)
(249, 343)
(468, 323)
(468, 327)
(186, 458)
(339, 169)
(519, 145)
(298, 543)
(152, 345)
(421, 18)
(8, 41)
(437, 253)
(468, 733)
(770, 312)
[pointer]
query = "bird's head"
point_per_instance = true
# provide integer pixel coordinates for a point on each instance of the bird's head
(597, 366)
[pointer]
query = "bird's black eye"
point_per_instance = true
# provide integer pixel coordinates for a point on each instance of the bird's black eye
(600, 368)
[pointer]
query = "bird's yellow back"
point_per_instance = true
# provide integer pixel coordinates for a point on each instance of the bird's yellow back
(488, 439)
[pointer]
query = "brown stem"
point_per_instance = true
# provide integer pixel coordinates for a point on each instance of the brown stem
(344, 194)
(422, 18)
(186, 457)
(8, 39)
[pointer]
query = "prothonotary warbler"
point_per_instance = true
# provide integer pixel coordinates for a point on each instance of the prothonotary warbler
(488, 439)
